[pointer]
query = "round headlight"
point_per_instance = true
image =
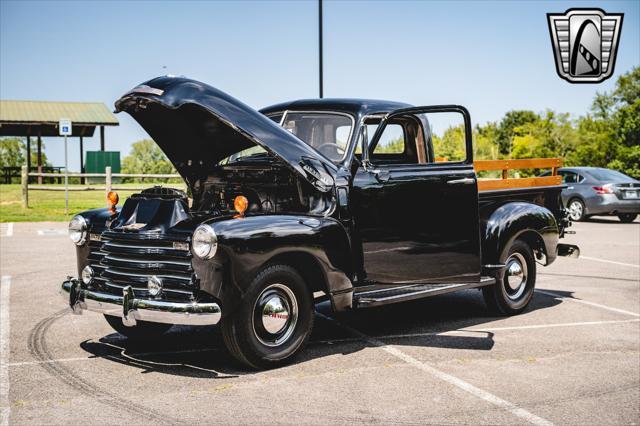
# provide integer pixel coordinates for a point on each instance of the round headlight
(87, 274)
(205, 242)
(78, 230)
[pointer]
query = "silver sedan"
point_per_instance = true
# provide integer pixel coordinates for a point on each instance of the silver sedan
(593, 191)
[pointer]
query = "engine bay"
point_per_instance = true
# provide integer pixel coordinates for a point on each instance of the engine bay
(269, 186)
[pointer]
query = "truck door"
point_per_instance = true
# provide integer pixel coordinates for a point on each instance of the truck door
(415, 198)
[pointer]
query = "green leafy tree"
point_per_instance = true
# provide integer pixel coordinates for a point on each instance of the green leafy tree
(147, 158)
(509, 125)
(13, 153)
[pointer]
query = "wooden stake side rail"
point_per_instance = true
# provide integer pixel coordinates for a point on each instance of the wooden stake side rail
(511, 183)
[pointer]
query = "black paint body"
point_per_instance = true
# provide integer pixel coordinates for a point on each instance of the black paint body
(414, 226)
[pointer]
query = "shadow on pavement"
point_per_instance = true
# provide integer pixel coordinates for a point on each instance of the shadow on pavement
(199, 351)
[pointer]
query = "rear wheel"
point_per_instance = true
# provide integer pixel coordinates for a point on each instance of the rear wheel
(576, 210)
(274, 319)
(627, 217)
(143, 330)
(513, 293)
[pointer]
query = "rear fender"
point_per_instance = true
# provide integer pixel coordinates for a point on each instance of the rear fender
(246, 245)
(531, 222)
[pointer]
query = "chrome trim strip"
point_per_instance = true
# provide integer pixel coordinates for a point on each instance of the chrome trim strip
(122, 259)
(110, 243)
(110, 269)
(190, 313)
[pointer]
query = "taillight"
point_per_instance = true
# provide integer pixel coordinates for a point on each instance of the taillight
(606, 189)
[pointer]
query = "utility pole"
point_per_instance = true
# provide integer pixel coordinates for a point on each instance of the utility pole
(320, 43)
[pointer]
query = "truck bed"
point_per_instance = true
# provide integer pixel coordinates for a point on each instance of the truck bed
(506, 182)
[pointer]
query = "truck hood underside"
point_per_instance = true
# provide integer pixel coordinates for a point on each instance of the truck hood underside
(197, 125)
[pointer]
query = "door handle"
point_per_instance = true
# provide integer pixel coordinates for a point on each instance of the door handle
(464, 181)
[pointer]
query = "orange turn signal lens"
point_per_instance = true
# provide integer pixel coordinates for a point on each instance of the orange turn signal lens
(112, 200)
(240, 204)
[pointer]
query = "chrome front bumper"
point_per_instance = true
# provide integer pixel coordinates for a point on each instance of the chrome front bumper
(131, 309)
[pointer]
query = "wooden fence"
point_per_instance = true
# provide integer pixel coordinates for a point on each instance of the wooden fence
(108, 178)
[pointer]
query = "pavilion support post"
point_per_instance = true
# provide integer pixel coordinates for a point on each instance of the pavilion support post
(28, 155)
(101, 138)
(39, 158)
(24, 178)
(82, 159)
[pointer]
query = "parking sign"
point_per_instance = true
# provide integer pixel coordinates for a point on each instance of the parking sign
(64, 127)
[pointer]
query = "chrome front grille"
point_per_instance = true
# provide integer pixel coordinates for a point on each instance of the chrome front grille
(120, 259)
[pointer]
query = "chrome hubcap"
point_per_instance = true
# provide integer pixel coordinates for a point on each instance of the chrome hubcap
(516, 276)
(275, 315)
(575, 210)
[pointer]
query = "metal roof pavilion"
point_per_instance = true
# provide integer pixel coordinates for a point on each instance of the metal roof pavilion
(41, 118)
(33, 118)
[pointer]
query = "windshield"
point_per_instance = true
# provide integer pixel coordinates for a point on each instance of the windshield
(609, 175)
(326, 132)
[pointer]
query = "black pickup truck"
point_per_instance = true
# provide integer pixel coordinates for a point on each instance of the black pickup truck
(369, 202)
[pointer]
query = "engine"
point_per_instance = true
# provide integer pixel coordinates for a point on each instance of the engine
(268, 186)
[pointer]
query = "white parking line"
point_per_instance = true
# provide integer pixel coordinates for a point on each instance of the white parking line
(609, 261)
(52, 232)
(452, 380)
(345, 340)
(584, 302)
(5, 408)
(9, 229)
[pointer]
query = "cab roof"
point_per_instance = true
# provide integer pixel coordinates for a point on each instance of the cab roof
(349, 105)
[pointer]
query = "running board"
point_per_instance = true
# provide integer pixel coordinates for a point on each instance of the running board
(367, 298)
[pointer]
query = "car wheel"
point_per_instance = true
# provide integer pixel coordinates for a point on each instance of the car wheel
(512, 294)
(576, 210)
(143, 330)
(627, 217)
(273, 321)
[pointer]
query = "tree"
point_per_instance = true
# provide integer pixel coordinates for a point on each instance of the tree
(146, 157)
(508, 126)
(13, 150)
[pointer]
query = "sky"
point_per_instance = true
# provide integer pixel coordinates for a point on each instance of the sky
(491, 57)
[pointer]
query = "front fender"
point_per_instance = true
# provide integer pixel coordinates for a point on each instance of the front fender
(511, 220)
(246, 244)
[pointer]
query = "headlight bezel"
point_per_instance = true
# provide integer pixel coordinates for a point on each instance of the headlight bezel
(78, 227)
(204, 235)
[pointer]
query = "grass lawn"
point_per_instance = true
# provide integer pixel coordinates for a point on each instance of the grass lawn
(49, 205)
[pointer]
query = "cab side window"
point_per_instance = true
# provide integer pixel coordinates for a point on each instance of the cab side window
(396, 145)
(392, 141)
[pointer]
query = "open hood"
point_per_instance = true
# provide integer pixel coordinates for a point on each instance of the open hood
(197, 125)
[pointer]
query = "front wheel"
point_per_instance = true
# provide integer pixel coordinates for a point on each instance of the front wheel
(512, 295)
(273, 321)
(627, 217)
(143, 330)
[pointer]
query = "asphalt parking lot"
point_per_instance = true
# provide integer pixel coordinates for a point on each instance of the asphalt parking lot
(572, 358)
